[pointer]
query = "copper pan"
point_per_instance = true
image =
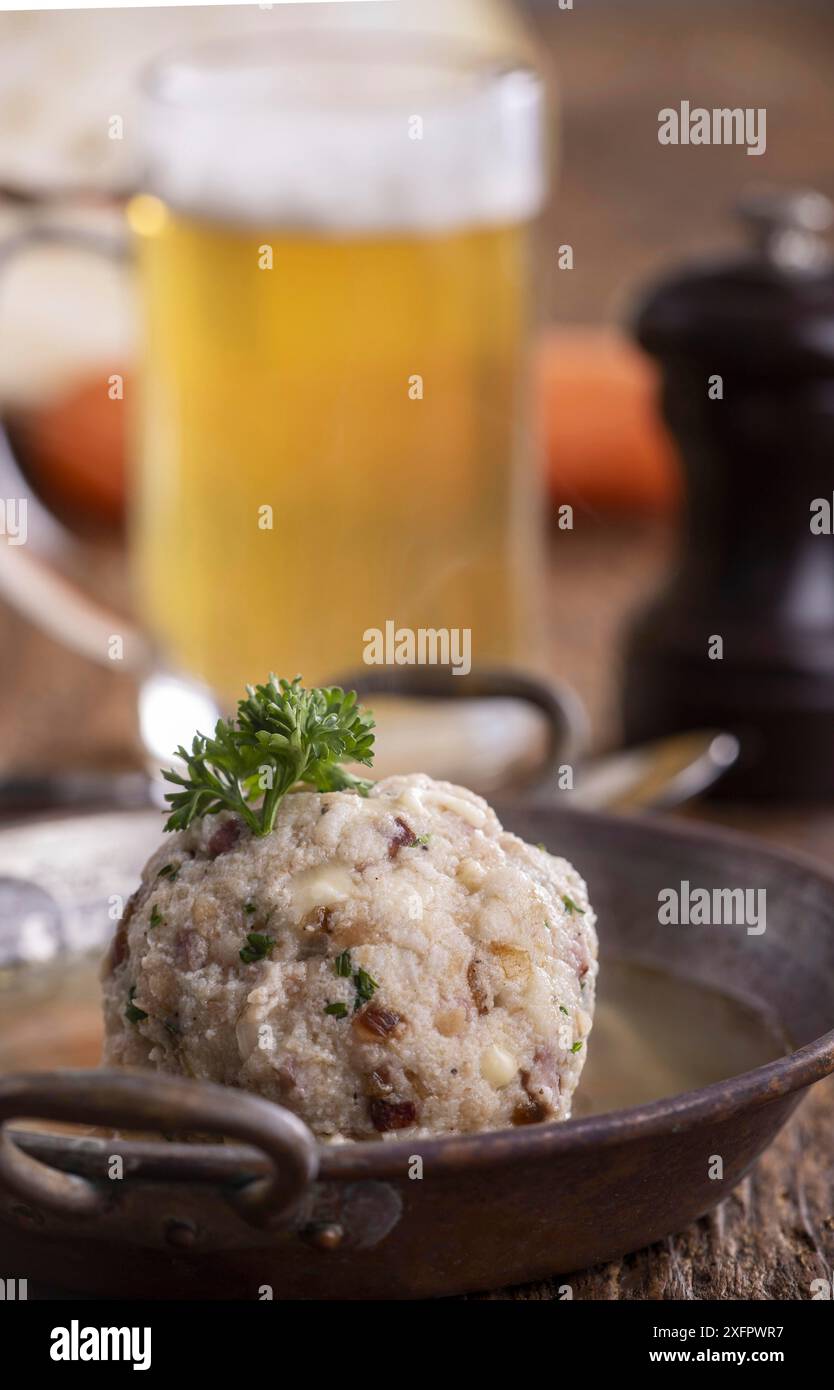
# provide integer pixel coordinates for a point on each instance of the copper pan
(272, 1213)
(272, 1210)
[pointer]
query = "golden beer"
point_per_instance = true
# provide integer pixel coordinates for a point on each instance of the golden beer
(330, 429)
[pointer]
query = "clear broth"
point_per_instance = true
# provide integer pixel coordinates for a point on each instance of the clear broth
(657, 1035)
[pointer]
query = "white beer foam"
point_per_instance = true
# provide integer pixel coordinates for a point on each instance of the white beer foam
(316, 138)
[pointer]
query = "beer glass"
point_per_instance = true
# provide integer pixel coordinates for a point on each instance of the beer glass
(331, 430)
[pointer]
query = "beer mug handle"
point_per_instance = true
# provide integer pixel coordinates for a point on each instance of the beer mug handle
(30, 577)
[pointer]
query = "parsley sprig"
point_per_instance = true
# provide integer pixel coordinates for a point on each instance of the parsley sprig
(282, 734)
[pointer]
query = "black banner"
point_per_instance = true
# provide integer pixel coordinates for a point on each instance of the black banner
(63, 1337)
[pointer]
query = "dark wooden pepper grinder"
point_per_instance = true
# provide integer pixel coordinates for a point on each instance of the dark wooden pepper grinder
(742, 638)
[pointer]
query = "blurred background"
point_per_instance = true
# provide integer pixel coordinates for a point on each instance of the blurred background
(629, 211)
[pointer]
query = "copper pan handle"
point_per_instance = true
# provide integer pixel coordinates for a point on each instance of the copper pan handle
(148, 1100)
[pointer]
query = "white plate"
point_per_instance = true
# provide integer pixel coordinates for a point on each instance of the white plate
(64, 881)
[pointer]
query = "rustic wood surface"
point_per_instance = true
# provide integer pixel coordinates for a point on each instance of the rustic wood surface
(775, 1233)
(770, 1239)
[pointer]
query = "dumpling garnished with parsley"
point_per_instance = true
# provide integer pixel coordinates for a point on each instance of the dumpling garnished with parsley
(383, 959)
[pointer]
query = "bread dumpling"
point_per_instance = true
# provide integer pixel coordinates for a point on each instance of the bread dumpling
(384, 966)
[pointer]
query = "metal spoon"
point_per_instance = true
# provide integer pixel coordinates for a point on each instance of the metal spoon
(655, 776)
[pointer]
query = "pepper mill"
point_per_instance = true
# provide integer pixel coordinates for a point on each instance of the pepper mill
(742, 638)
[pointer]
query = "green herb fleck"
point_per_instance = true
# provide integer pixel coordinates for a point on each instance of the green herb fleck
(364, 984)
(258, 946)
(338, 1010)
(576, 1046)
(295, 735)
(563, 1010)
(169, 871)
(342, 965)
(133, 1013)
(366, 987)
(541, 845)
(571, 906)
(249, 907)
(156, 917)
(173, 1028)
(422, 839)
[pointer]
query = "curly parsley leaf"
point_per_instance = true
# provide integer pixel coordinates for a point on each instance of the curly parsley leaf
(282, 734)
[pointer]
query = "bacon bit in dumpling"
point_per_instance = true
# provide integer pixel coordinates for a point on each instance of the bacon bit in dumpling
(404, 838)
(374, 1023)
(190, 949)
(392, 1114)
(225, 837)
(286, 1077)
(479, 986)
(532, 1110)
(529, 1112)
(118, 946)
